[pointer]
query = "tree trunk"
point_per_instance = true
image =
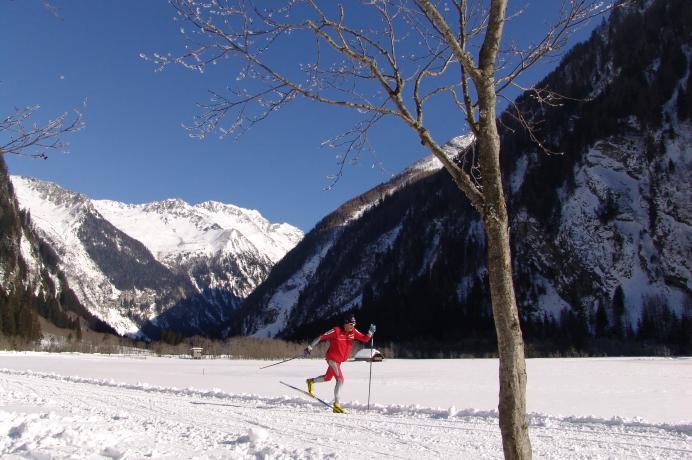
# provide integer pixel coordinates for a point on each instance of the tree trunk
(512, 401)
(510, 345)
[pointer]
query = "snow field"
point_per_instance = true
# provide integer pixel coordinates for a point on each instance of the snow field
(90, 406)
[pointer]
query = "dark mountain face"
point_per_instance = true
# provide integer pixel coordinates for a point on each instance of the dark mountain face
(131, 268)
(600, 233)
(31, 284)
(124, 260)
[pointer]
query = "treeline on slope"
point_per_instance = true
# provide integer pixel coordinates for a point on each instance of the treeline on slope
(354, 246)
(20, 302)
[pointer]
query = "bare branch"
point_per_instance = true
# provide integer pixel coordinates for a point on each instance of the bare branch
(34, 140)
(427, 72)
(369, 78)
(463, 39)
(464, 181)
(242, 42)
(353, 142)
(52, 9)
(462, 56)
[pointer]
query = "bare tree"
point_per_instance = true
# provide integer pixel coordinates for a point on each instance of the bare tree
(22, 137)
(389, 58)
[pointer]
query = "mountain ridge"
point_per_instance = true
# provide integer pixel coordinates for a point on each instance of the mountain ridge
(159, 265)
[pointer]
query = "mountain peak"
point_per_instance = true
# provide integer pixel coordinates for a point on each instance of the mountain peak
(231, 209)
(49, 190)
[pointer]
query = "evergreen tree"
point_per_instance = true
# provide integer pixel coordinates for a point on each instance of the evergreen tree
(684, 336)
(618, 312)
(582, 327)
(658, 323)
(601, 321)
(653, 206)
(683, 104)
(8, 317)
(3, 307)
(78, 330)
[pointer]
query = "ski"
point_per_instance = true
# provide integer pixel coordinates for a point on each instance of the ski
(307, 394)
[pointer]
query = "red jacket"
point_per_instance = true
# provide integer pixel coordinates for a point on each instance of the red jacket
(341, 343)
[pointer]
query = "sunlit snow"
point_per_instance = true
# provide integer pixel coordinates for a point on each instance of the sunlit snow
(91, 406)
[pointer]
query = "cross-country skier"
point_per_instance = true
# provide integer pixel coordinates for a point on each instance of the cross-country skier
(340, 346)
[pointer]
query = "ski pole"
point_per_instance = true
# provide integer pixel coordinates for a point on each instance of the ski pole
(372, 350)
(281, 362)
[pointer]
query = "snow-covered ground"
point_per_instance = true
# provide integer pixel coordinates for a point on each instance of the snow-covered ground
(93, 406)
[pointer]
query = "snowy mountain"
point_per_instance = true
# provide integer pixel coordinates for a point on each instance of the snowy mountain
(163, 265)
(601, 234)
(219, 246)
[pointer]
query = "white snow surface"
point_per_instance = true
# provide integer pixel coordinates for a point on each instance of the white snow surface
(98, 407)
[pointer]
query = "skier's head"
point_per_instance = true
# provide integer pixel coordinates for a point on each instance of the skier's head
(349, 322)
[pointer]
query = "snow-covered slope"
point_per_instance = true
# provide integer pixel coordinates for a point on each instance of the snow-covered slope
(172, 228)
(650, 259)
(85, 406)
(138, 265)
(32, 285)
(59, 216)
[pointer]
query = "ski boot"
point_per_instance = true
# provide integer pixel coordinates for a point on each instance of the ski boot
(311, 389)
(337, 409)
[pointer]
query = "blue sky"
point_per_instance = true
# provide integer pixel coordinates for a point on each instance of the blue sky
(134, 149)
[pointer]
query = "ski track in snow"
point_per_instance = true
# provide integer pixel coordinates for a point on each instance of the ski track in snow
(47, 415)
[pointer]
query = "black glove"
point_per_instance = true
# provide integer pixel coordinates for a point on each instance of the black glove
(307, 351)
